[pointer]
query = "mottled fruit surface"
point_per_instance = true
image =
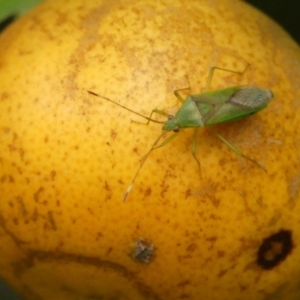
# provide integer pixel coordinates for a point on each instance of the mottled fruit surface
(67, 157)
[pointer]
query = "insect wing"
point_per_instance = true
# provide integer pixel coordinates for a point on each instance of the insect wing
(243, 102)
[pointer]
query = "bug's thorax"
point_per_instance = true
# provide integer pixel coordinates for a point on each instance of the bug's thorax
(187, 116)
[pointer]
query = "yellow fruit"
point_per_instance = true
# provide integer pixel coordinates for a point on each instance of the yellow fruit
(67, 157)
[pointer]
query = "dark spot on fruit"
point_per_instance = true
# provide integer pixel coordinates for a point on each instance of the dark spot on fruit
(191, 248)
(143, 251)
(37, 194)
(106, 186)
(113, 134)
(188, 193)
(274, 249)
(184, 283)
(148, 192)
(51, 220)
(52, 175)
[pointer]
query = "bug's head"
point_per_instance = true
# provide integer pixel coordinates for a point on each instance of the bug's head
(171, 124)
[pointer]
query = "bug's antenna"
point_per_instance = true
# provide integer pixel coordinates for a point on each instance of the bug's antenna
(135, 112)
(142, 163)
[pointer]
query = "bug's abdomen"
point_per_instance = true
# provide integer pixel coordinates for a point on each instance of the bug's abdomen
(251, 97)
(241, 103)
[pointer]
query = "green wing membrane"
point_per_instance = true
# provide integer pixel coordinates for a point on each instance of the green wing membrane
(231, 104)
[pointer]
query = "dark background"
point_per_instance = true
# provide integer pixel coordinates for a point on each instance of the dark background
(286, 13)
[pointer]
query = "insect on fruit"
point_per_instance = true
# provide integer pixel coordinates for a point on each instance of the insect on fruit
(208, 108)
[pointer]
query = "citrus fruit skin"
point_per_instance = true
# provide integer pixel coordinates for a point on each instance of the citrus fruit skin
(67, 157)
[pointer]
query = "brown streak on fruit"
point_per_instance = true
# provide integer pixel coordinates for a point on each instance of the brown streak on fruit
(22, 206)
(52, 220)
(33, 256)
(37, 194)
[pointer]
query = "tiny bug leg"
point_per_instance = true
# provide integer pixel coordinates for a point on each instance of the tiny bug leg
(157, 111)
(154, 146)
(212, 70)
(237, 151)
(176, 92)
(166, 141)
(195, 140)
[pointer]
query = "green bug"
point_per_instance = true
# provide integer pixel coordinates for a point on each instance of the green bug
(208, 108)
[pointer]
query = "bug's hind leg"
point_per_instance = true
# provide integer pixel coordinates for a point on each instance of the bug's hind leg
(237, 151)
(212, 70)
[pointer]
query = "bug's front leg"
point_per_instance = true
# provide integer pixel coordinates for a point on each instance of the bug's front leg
(176, 92)
(149, 119)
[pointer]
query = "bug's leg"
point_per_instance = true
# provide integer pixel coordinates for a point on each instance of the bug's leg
(212, 70)
(237, 151)
(149, 119)
(166, 141)
(194, 145)
(176, 92)
(154, 146)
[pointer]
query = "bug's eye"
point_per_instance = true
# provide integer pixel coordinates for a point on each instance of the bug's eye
(176, 129)
(170, 117)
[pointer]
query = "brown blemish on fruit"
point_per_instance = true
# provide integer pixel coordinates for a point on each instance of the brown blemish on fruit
(222, 273)
(35, 215)
(6, 130)
(215, 201)
(274, 249)
(16, 240)
(143, 251)
(37, 194)
(22, 206)
(33, 257)
(294, 190)
(148, 192)
(184, 283)
(221, 254)
(185, 296)
(188, 193)
(191, 248)
(52, 175)
(106, 186)
(51, 220)
(212, 239)
(13, 148)
(113, 134)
